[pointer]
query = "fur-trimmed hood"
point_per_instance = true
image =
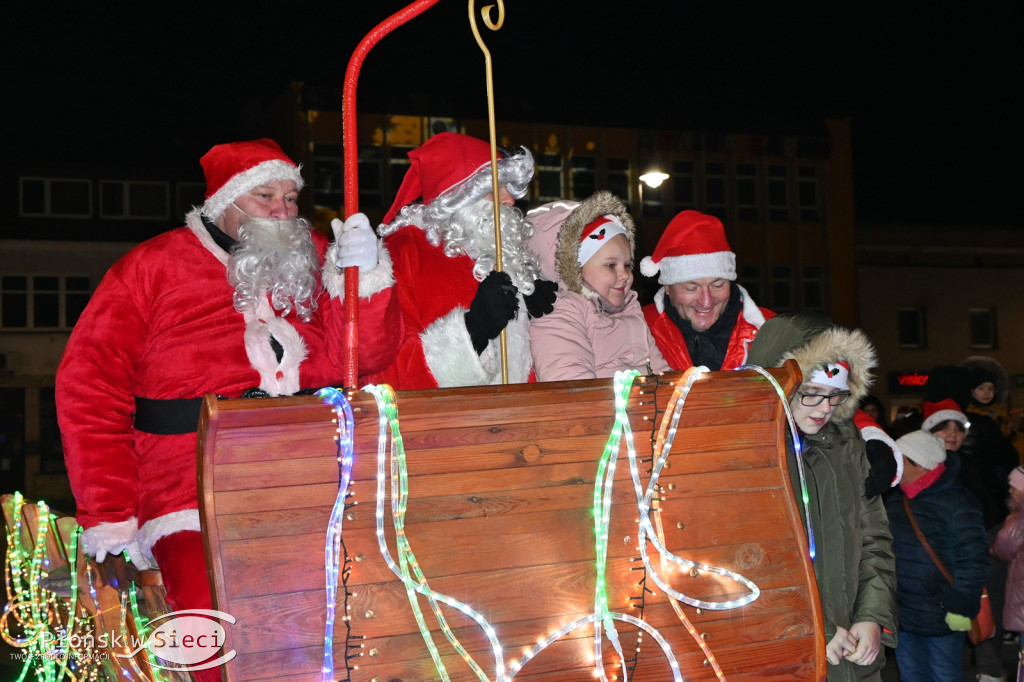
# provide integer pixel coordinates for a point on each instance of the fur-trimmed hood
(557, 229)
(813, 339)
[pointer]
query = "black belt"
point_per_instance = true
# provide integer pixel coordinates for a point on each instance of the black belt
(167, 416)
(174, 416)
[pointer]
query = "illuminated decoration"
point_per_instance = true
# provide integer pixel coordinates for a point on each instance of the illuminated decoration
(797, 447)
(388, 421)
(335, 555)
(56, 634)
(391, 467)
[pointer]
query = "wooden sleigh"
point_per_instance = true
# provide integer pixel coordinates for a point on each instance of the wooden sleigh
(500, 517)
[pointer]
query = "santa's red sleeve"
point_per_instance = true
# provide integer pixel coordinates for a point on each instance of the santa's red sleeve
(95, 401)
(379, 326)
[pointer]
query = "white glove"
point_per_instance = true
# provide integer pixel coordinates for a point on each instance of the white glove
(357, 243)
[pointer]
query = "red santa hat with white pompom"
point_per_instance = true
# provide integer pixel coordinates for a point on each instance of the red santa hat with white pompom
(693, 246)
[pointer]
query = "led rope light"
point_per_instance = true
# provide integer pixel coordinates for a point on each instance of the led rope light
(388, 421)
(663, 448)
(602, 618)
(332, 551)
(805, 497)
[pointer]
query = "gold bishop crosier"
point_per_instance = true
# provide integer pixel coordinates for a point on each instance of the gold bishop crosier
(485, 14)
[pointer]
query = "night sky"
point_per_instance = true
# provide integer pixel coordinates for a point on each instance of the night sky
(929, 88)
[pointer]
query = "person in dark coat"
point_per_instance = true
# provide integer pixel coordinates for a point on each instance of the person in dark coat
(934, 614)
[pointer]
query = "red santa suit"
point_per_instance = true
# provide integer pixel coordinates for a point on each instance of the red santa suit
(161, 332)
(434, 290)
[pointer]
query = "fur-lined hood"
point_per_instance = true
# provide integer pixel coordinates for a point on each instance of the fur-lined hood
(557, 229)
(813, 339)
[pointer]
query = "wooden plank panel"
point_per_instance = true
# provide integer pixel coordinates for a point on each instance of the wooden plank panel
(501, 483)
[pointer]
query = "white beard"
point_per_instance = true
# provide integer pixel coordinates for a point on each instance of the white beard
(470, 230)
(275, 258)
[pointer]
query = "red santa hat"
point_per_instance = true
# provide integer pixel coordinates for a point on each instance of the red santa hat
(692, 247)
(596, 234)
(944, 410)
(834, 374)
(439, 165)
(235, 168)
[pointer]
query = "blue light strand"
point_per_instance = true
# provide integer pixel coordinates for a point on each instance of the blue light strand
(332, 549)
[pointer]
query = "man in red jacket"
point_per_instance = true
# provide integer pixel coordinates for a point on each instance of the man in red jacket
(699, 316)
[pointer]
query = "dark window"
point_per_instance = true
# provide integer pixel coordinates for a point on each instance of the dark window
(983, 328)
(911, 323)
(782, 288)
(583, 180)
(682, 185)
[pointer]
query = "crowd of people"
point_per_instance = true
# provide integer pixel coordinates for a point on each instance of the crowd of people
(248, 300)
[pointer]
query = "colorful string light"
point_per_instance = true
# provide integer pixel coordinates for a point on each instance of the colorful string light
(57, 635)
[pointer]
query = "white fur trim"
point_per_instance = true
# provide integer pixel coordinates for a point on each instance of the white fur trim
(453, 361)
(370, 282)
(751, 313)
(275, 378)
(168, 524)
(449, 351)
(194, 221)
(937, 418)
(875, 433)
(261, 174)
(659, 300)
(675, 269)
(109, 538)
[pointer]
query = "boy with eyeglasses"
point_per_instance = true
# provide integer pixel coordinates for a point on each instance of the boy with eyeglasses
(853, 560)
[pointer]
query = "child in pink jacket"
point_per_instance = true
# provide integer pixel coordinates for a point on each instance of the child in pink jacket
(597, 327)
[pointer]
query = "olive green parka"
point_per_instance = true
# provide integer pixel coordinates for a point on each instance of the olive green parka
(854, 564)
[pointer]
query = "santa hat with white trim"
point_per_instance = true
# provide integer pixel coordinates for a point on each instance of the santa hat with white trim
(449, 162)
(235, 168)
(944, 410)
(693, 246)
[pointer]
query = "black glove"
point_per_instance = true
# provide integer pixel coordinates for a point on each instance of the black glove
(494, 304)
(883, 468)
(542, 300)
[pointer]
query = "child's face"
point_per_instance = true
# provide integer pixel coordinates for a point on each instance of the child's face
(812, 418)
(984, 392)
(609, 272)
(952, 434)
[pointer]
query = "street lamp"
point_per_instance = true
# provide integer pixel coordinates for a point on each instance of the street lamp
(653, 179)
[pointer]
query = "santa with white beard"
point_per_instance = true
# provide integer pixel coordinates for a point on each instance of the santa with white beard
(442, 247)
(246, 299)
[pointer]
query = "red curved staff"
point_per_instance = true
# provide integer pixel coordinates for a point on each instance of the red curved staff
(351, 170)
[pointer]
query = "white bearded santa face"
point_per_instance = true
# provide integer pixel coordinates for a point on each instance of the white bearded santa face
(275, 254)
(461, 221)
